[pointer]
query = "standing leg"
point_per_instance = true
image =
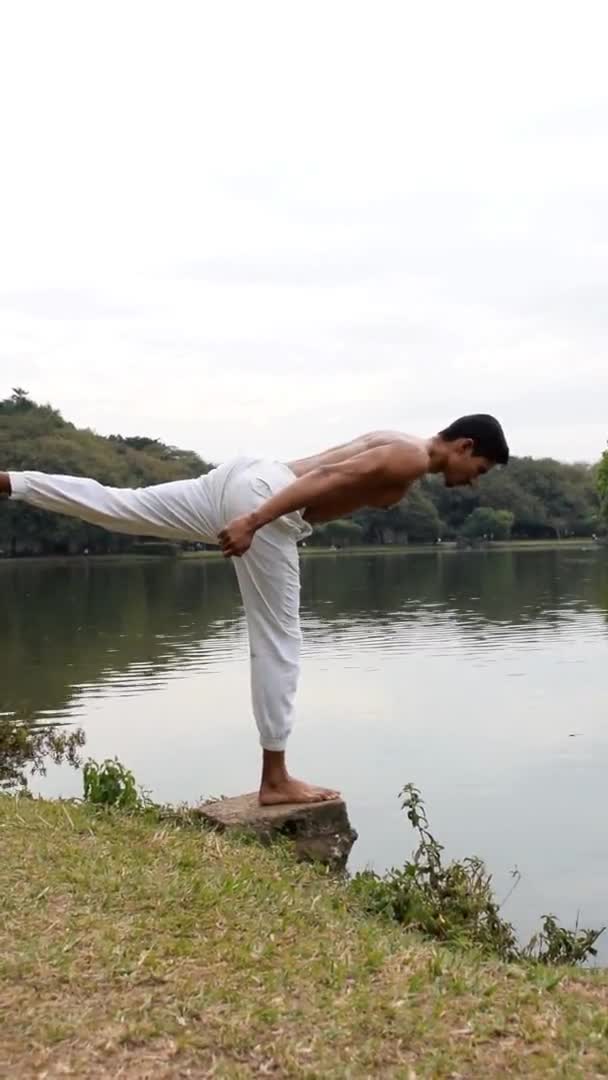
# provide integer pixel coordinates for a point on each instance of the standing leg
(269, 580)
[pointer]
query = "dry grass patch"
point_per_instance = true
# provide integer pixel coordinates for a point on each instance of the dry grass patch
(130, 948)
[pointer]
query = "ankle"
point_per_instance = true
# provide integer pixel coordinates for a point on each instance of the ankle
(274, 769)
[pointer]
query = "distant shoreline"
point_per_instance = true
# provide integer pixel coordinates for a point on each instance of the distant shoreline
(449, 547)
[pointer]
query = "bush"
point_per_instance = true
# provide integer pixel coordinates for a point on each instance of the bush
(111, 784)
(455, 903)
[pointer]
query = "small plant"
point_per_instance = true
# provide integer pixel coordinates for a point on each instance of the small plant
(554, 944)
(111, 784)
(455, 902)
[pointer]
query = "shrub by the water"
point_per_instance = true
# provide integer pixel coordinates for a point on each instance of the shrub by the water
(554, 944)
(454, 902)
(111, 784)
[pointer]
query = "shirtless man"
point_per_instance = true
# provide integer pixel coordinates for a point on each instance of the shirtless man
(257, 510)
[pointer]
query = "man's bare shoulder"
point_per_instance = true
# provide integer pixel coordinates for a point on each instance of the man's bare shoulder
(407, 454)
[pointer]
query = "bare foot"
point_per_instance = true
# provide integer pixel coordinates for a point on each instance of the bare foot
(287, 790)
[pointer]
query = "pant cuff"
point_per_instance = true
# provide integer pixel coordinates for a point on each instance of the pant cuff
(18, 484)
(273, 744)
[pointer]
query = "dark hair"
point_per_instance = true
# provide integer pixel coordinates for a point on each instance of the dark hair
(487, 435)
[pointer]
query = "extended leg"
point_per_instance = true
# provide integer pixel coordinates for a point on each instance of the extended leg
(180, 509)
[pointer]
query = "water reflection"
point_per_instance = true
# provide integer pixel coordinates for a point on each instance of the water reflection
(74, 629)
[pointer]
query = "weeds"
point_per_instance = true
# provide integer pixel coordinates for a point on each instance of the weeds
(556, 945)
(112, 784)
(455, 902)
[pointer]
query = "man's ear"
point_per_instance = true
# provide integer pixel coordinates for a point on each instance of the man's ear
(465, 446)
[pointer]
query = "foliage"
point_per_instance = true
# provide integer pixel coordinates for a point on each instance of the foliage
(414, 520)
(602, 485)
(455, 902)
(556, 945)
(340, 533)
(548, 499)
(489, 524)
(27, 745)
(111, 784)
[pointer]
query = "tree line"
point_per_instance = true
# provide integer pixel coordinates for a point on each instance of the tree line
(37, 437)
(532, 498)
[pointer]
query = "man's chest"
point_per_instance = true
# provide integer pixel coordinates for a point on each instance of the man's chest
(385, 497)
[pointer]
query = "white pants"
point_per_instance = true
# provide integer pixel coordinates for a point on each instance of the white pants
(268, 574)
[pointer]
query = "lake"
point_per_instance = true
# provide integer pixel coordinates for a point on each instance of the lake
(480, 676)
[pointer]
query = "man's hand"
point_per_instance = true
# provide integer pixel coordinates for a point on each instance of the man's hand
(236, 538)
(5, 484)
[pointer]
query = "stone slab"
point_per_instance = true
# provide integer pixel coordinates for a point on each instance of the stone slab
(321, 831)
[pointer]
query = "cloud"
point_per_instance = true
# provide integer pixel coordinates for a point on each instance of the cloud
(235, 229)
(68, 304)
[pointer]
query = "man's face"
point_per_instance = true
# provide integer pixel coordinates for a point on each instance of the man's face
(463, 467)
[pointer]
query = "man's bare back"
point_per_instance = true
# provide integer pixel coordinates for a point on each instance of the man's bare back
(349, 449)
(408, 453)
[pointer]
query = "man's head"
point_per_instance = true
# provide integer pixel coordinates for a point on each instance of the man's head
(470, 447)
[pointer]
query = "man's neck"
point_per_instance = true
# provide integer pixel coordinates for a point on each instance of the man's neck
(437, 452)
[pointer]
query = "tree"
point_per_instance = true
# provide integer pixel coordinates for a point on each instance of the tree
(414, 520)
(420, 517)
(602, 486)
(340, 533)
(485, 523)
(547, 498)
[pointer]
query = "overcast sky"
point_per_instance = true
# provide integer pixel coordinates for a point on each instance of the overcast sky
(268, 227)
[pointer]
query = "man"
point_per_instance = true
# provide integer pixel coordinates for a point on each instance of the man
(257, 510)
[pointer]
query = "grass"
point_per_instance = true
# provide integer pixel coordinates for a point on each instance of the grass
(132, 947)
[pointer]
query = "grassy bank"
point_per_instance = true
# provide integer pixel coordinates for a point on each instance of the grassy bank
(133, 948)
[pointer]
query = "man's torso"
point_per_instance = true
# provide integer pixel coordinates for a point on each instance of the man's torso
(376, 494)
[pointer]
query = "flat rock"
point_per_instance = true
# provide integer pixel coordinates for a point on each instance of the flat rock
(321, 831)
